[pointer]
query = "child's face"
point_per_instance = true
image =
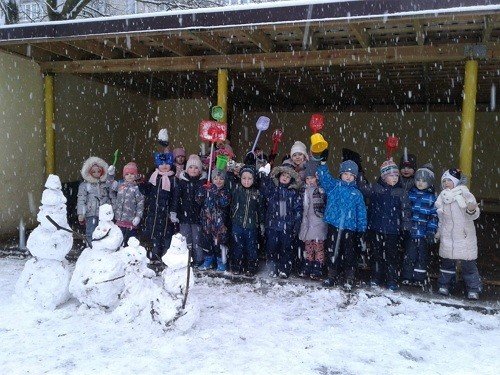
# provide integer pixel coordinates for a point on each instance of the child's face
(193, 171)
(96, 171)
(448, 184)
(298, 158)
(347, 177)
(391, 179)
(421, 184)
(129, 177)
(311, 181)
(164, 168)
(246, 179)
(407, 172)
(181, 159)
(285, 178)
(218, 181)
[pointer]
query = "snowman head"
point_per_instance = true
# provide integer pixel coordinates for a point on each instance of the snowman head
(106, 213)
(135, 253)
(178, 244)
(53, 182)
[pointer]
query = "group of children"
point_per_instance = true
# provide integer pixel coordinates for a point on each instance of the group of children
(307, 219)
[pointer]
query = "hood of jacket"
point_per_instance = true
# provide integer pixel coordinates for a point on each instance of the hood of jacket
(88, 164)
(295, 182)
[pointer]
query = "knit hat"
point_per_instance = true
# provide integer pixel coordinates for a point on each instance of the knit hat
(130, 168)
(248, 169)
(218, 173)
(194, 160)
(164, 158)
(410, 163)
(425, 173)
(349, 166)
(453, 174)
(179, 151)
(388, 167)
(300, 147)
(311, 167)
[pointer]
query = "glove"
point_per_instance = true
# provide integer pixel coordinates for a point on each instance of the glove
(471, 206)
(136, 221)
(323, 156)
(262, 229)
(173, 217)
(81, 219)
(111, 170)
(265, 169)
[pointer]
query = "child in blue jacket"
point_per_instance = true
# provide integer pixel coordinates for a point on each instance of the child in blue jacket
(385, 224)
(346, 218)
(424, 222)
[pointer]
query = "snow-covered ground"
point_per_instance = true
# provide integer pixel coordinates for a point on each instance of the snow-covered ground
(260, 328)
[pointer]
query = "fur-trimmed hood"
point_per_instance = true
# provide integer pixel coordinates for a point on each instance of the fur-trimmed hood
(88, 164)
(295, 182)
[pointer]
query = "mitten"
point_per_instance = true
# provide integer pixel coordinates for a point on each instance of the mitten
(173, 217)
(136, 221)
(81, 219)
(265, 169)
(111, 170)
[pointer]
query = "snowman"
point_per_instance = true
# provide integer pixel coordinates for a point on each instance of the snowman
(99, 272)
(177, 260)
(45, 278)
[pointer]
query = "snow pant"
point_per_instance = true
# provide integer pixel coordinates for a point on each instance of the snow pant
(91, 222)
(192, 234)
(314, 258)
(279, 250)
(211, 247)
(470, 274)
(342, 254)
(416, 260)
(127, 233)
(244, 248)
(384, 260)
(297, 253)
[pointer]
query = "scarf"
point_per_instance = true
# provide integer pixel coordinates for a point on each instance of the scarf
(165, 180)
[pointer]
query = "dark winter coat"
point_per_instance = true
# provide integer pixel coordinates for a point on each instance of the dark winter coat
(386, 206)
(184, 202)
(214, 218)
(345, 204)
(283, 202)
(407, 183)
(158, 203)
(247, 207)
(424, 217)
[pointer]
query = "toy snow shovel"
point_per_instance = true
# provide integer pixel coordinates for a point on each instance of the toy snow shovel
(116, 155)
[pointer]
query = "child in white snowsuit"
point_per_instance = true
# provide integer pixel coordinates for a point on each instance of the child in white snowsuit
(313, 228)
(128, 205)
(94, 191)
(457, 209)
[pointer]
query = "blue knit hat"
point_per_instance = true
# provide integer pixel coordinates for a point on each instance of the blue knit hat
(164, 158)
(349, 166)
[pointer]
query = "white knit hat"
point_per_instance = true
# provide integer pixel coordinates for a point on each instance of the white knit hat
(194, 160)
(300, 147)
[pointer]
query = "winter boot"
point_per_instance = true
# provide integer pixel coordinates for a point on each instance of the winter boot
(444, 291)
(208, 263)
(473, 295)
(221, 266)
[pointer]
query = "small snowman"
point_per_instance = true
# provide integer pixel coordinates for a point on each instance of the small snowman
(45, 278)
(99, 272)
(177, 260)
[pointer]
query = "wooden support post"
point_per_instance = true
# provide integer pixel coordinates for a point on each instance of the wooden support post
(468, 118)
(222, 80)
(48, 89)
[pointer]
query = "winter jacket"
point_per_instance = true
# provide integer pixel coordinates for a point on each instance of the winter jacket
(214, 204)
(283, 202)
(345, 207)
(184, 203)
(93, 192)
(407, 183)
(158, 202)
(386, 206)
(424, 218)
(313, 226)
(456, 226)
(247, 207)
(129, 202)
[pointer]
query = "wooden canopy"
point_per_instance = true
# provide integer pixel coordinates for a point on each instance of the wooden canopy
(341, 54)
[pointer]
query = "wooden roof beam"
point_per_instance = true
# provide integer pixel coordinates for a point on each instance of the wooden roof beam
(64, 50)
(212, 41)
(172, 44)
(488, 27)
(129, 45)
(29, 51)
(341, 57)
(261, 40)
(361, 35)
(96, 48)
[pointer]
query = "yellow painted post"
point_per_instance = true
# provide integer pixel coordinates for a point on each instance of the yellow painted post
(222, 80)
(468, 118)
(49, 124)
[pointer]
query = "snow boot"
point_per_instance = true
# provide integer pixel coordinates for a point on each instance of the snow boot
(473, 295)
(221, 266)
(393, 286)
(444, 291)
(208, 263)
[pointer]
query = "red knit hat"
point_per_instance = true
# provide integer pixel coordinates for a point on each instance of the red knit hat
(130, 168)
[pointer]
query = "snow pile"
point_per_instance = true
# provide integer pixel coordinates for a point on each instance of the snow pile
(98, 277)
(45, 278)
